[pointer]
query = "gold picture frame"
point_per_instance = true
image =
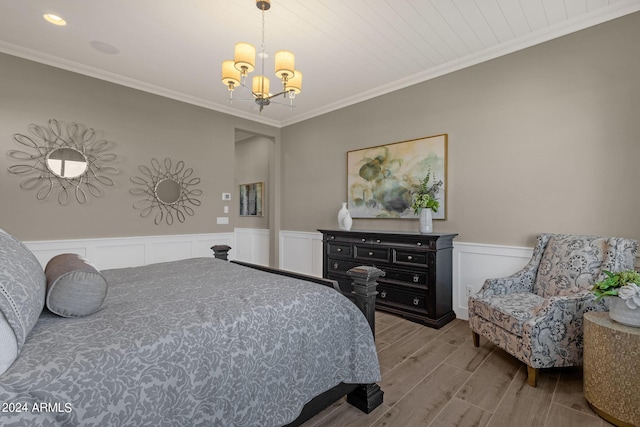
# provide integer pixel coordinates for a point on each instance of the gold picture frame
(381, 179)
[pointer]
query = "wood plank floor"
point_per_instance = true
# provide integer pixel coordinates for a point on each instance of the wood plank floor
(436, 377)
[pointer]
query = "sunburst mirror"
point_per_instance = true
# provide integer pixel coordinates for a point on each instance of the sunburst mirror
(63, 160)
(168, 191)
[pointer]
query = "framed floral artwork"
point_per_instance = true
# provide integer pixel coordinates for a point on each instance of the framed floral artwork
(381, 180)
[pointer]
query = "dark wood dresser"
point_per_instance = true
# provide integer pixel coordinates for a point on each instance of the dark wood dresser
(417, 270)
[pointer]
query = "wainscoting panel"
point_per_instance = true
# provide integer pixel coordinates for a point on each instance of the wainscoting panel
(252, 245)
(123, 252)
(473, 263)
(301, 252)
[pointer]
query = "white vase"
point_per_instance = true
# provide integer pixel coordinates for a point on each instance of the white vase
(347, 222)
(342, 213)
(621, 313)
(426, 221)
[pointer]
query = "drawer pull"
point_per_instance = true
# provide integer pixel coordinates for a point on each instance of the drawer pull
(416, 278)
(409, 257)
(378, 241)
(383, 294)
(384, 273)
(332, 237)
(339, 249)
(416, 301)
(335, 265)
(364, 240)
(419, 243)
(370, 253)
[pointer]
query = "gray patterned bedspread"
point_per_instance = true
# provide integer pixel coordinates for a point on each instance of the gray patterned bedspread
(190, 343)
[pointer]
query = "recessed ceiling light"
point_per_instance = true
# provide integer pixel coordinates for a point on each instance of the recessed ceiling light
(54, 19)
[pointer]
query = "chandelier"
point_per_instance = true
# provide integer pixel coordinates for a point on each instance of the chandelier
(235, 71)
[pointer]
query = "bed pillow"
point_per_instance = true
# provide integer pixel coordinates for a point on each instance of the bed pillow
(22, 292)
(75, 288)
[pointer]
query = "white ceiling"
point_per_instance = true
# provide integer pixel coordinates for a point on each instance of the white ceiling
(348, 50)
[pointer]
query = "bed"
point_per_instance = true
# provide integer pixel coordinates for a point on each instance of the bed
(195, 342)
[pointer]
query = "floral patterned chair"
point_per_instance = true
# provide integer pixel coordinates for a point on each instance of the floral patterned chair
(536, 314)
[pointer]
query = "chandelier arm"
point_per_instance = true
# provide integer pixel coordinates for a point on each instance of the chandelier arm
(255, 95)
(284, 92)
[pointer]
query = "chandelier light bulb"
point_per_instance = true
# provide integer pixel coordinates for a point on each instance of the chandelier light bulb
(284, 65)
(230, 75)
(294, 84)
(261, 86)
(245, 57)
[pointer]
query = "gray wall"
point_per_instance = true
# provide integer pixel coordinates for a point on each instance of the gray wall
(545, 139)
(141, 125)
(542, 140)
(252, 165)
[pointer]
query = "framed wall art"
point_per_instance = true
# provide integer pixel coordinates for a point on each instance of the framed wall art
(251, 199)
(381, 179)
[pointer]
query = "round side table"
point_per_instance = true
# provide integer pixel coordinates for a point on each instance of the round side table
(612, 369)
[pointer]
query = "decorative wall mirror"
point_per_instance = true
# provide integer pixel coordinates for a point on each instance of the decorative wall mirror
(167, 191)
(63, 160)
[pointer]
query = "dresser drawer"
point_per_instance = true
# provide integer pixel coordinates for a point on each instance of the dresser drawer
(341, 266)
(348, 239)
(395, 296)
(371, 253)
(405, 276)
(409, 257)
(411, 242)
(340, 249)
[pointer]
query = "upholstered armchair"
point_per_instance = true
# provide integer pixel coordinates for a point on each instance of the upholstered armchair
(536, 314)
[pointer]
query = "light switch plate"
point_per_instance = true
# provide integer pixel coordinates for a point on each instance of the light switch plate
(226, 196)
(222, 220)
(226, 209)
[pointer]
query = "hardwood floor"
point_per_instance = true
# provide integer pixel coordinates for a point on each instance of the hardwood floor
(437, 378)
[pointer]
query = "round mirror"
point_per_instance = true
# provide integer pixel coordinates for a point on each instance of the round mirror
(67, 162)
(168, 191)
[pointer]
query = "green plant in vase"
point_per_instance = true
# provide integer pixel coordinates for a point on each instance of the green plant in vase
(425, 195)
(624, 290)
(625, 285)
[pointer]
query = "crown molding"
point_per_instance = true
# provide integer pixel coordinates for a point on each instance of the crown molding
(616, 10)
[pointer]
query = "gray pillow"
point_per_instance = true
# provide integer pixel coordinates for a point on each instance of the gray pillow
(22, 290)
(75, 288)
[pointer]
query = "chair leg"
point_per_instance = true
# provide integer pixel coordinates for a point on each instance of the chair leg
(532, 376)
(476, 339)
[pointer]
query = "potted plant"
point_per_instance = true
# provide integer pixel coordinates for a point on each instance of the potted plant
(425, 202)
(624, 288)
